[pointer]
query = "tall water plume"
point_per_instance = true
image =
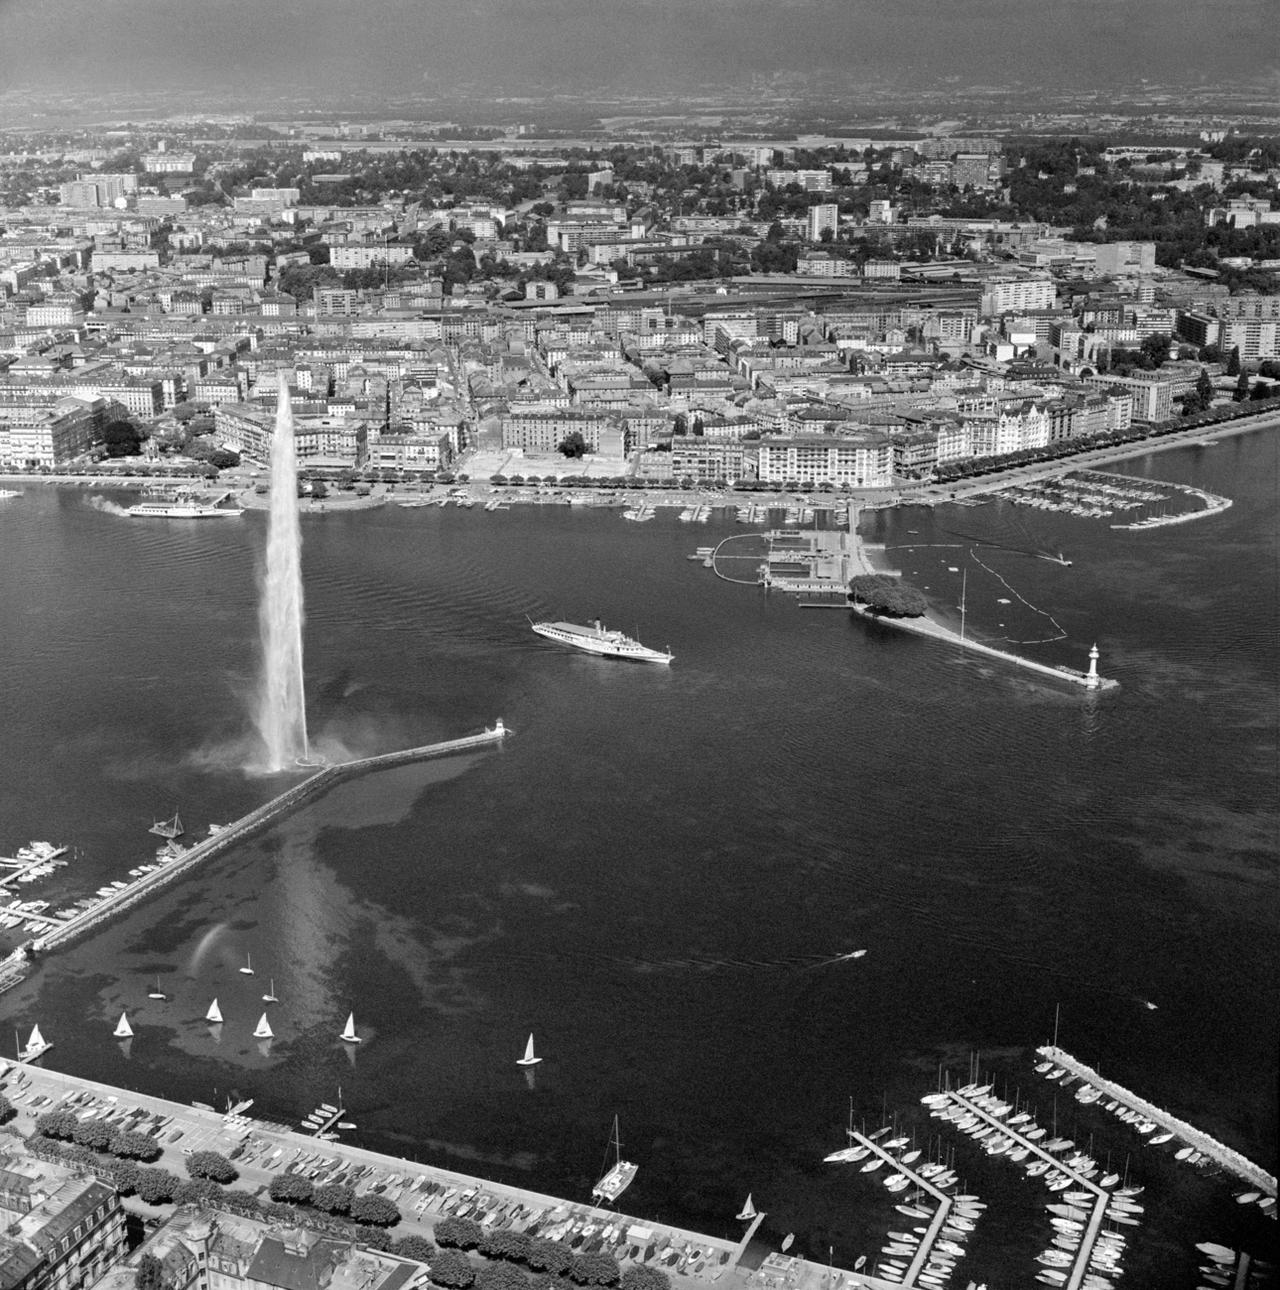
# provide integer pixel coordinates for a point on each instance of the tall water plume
(281, 715)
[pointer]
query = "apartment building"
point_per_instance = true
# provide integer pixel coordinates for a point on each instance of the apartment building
(62, 1232)
(368, 255)
(860, 461)
(202, 1250)
(38, 435)
(544, 430)
(824, 217)
(1152, 396)
(1017, 295)
(332, 440)
(703, 460)
(392, 450)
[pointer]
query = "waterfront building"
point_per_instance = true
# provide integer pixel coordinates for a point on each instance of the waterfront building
(702, 459)
(544, 429)
(214, 1250)
(392, 450)
(40, 433)
(862, 460)
(330, 440)
(1151, 394)
(62, 1231)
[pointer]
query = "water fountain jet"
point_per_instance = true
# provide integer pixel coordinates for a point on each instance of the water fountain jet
(281, 713)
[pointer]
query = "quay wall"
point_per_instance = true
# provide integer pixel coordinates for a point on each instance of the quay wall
(1231, 1160)
(780, 1272)
(246, 826)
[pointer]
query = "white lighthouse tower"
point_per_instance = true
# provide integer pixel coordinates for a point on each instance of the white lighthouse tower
(1092, 679)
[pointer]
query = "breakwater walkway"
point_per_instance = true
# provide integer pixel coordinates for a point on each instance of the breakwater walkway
(1230, 1160)
(936, 631)
(233, 834)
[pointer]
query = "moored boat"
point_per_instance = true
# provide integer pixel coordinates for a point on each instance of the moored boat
(619, 1177)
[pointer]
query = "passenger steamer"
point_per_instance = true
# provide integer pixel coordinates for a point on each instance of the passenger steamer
(598, 639)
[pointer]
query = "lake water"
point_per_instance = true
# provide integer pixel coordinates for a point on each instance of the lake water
(656, 874)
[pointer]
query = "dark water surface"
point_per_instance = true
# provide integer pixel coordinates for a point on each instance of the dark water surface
(655, 874)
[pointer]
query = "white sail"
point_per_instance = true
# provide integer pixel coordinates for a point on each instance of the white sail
(36, 1040)
(214, 1014)
(349, 1030)
(528, 1059)
(123, 1029)
(263, 1030)
(748, 1210)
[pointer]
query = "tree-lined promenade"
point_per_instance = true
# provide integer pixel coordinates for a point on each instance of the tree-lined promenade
(225, 1166)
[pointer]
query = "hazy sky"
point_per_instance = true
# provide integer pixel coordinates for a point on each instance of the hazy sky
(408, 45)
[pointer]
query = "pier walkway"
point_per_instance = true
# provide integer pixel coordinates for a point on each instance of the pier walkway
(1080, 1266)
(921, 1256)
(1230, 1160)
(63, 933)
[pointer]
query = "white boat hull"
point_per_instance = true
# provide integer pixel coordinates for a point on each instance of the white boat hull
(151, 511)
(597, 639)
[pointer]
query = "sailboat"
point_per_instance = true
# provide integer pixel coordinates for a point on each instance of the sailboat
(168, 828)
(214, 1014)
(748, 1210)
(270, 996)
(36, 1044)
(247, 970)
(263, 1029)
(349, 1035)
(157, 993)
(123, 1029)
(528, 1059)
(620, 1177)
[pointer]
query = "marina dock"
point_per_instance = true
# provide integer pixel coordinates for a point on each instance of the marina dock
(62, 932)
(1085, 1251)
(1232, 1161)
(921, 1257)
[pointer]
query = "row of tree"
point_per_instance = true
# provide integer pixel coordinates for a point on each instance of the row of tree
(126, 1144)
(335, 1198)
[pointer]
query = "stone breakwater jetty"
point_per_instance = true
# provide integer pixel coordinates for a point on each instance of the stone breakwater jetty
(319, 781)
(1230, 1160)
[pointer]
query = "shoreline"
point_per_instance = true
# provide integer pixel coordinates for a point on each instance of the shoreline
(481, 490)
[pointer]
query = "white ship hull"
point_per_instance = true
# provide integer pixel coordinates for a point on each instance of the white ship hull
(596, 639)
(615, 1182)
(157, 511)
